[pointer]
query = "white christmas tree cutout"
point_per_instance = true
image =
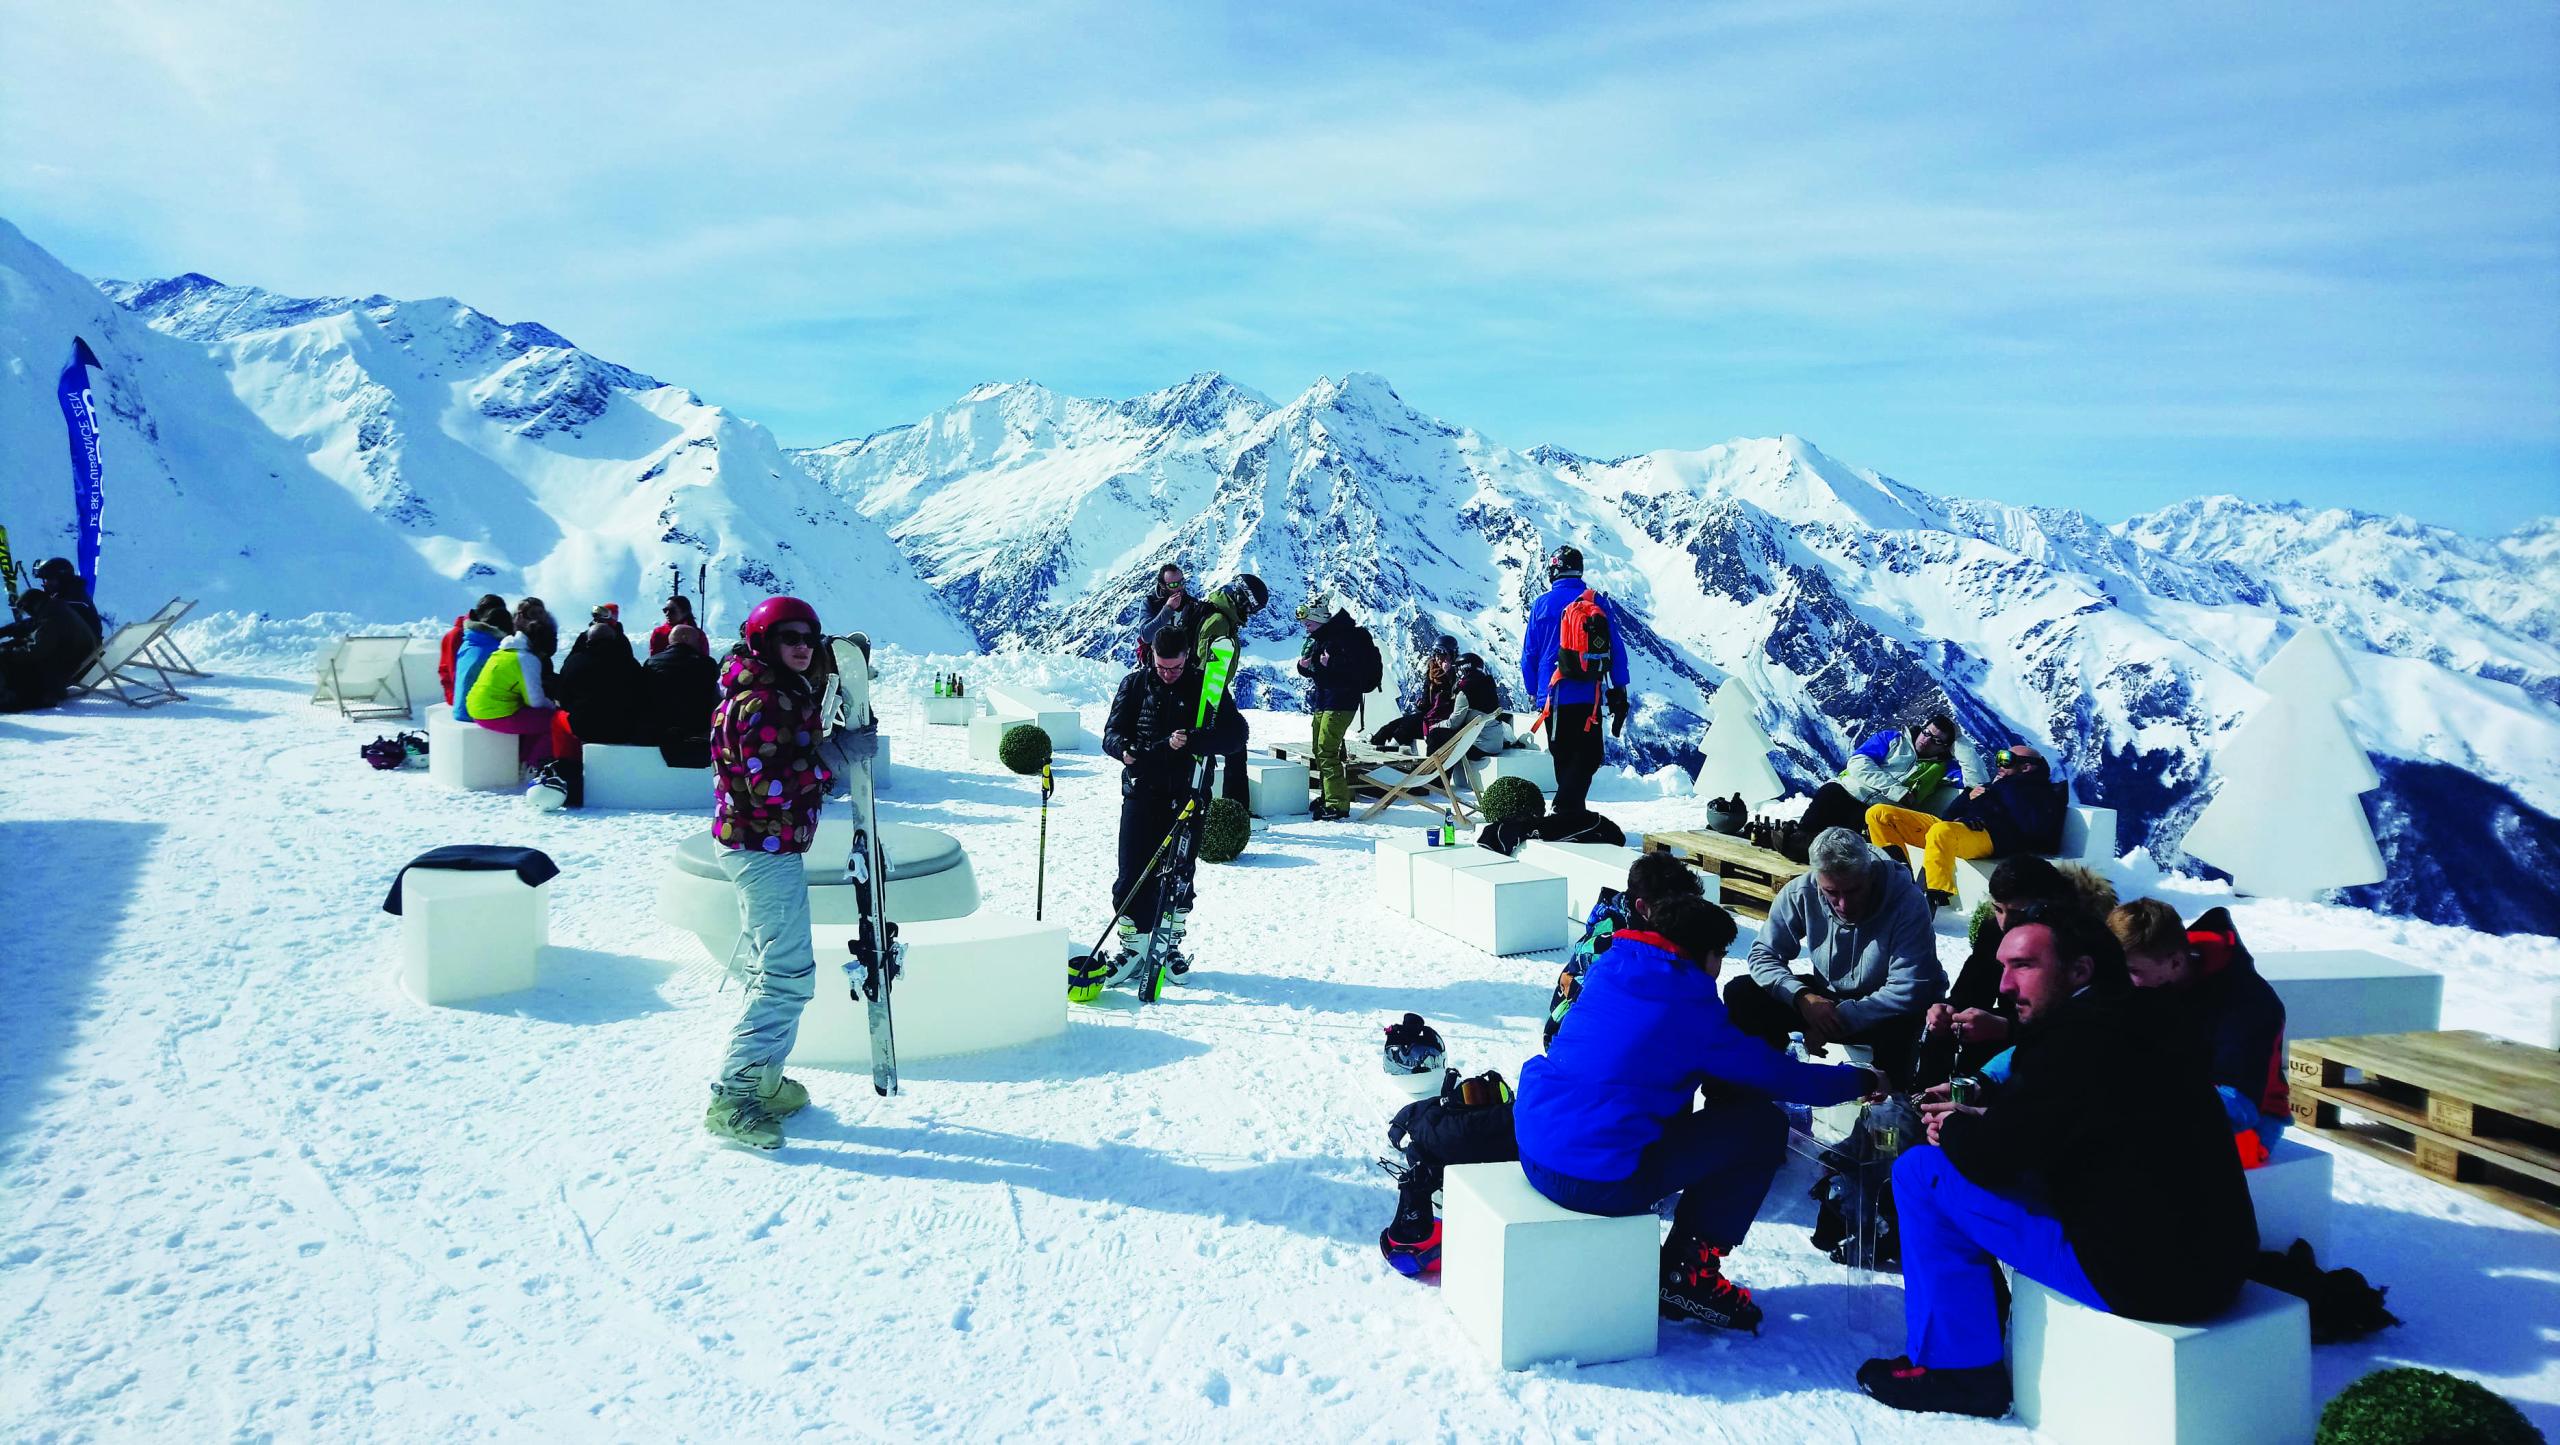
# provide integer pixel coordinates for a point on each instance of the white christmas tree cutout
(1737, 750)
(2287, 823)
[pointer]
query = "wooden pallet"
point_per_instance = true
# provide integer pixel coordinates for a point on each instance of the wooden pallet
(2480, 1114)
(1749, 876)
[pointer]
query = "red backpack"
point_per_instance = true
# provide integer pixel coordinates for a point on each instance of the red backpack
(1583, 643)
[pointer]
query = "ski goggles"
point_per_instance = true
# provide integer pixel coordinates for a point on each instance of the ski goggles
(803, 637)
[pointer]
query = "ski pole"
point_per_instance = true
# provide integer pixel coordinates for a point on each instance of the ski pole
(1040, 883)
(1143, 875)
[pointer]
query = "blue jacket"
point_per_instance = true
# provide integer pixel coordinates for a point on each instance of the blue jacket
(1538, 650)
(471, 654)
(1646, 1031)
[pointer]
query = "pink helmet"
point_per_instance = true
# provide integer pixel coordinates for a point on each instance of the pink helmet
(773, 612)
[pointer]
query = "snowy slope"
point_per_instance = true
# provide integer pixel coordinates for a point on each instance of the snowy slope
(249, 1189)
(392, 459)
(1842, 596)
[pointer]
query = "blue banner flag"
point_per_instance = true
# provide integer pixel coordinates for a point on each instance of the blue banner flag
(88, 474)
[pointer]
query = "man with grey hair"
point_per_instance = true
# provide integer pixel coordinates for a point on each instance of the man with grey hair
(1846, 957)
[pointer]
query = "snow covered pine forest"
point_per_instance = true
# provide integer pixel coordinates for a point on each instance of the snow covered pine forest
(250, 1188)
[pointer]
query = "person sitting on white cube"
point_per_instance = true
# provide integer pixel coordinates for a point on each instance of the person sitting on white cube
(2140, 1207)
(1604, 1120)
(2206, 979)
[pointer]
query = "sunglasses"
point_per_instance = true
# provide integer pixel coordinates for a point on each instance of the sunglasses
(803, 637)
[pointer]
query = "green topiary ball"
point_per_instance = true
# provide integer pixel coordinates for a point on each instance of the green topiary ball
(1981, 921)
(1225, 831)
(1024, 749)
(2408, 1406)
(1508, 798)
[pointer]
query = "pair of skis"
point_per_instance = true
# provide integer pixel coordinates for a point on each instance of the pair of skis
(1170, 866)
(876, 953)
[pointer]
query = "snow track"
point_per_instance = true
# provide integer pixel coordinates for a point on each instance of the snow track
(248, 1188)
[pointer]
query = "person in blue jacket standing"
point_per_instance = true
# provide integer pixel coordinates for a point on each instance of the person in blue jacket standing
(1573, 708)
(1604, 1120)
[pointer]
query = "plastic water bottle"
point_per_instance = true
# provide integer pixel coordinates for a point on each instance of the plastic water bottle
(1448, 835)
(1799, 1116)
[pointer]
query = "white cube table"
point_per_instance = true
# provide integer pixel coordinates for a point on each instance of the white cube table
(2341, 993)
(986, 735)
(467, 934)
(1279, 787)
(470, 757)
(2085, 1377)
(1432, 870)
(1055, 717)
(950, 712)
(2291, 1195)
(1586, 868)
(1509, 908)
(988, 981)
(1530, 1280)
(638, 778)
(1392, 867)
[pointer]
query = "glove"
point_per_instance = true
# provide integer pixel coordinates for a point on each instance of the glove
(1617, 712)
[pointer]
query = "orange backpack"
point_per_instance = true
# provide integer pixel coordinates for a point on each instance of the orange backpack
(1583, 643)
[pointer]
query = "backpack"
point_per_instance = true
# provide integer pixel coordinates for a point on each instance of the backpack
(1607, 917)
(1583, 641)
(1362, 668)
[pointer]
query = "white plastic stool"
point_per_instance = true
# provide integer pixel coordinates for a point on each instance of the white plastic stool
(470, 757)
(2291, 1195)
(988, 981)
(1509, 908)
(470, 934)
(1279, 787)
(1392, 864)
(2340, 993)
(619, 776)
(2086, 1377)
(1530, 1280)
(1432, 872)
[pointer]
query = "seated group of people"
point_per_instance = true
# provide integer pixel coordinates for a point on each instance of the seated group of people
(1904, 787)
(44, 648)
(498, 672)
(1454, 689)
(2120, 1070)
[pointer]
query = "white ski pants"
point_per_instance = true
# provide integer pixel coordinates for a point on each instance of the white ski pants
(781, 964)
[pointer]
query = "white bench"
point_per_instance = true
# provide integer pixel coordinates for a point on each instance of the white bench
(1536, 766)
(1586, 868)
(622, 776)
(2340, 993)
(951, 712)
(1056, 718)
(987, 730)
(2088, 836)
(2290, 1193)
(2085, 1377)
(1530, 1280)
(470, 757)
(929, 878)
(1432, 872)
(988, 981)
(1278, 786)
(1509, 908)
(467, 934)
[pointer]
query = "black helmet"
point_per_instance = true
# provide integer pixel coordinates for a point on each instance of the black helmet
(1447, 646)
(1414, 1047)
(1248, 594)
(55, 569)
(1564, 562)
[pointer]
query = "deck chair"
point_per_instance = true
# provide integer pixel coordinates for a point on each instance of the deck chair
(365, 678)
(117, 669)
(166, 652)
(1434, 773)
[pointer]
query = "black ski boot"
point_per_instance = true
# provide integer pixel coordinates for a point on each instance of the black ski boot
(1694, 1287)
(1411, 1243)
(1981, 1390)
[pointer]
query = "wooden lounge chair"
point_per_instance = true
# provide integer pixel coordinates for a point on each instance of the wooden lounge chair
(117, 669)
(1432, 779)
(365, 678)
(166, 652)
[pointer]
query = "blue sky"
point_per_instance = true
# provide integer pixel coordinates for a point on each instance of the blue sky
(2289, 251)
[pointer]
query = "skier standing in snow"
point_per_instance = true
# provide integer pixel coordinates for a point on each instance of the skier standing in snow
(1340, 662)
(1573, 717)
(1151, 731)
(768, 786)
(1222, 615)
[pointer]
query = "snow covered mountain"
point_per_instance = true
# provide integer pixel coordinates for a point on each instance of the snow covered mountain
(1841, 596)
(394, 458)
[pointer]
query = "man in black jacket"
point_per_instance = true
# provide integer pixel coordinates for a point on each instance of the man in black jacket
(2018, 811)
(1155, 732)
(2102, 1170)
(44, 653)
(681, 687)
(1339, 660)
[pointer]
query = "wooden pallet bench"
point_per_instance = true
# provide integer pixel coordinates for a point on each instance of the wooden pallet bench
(1748, 876)
(2478, 1113)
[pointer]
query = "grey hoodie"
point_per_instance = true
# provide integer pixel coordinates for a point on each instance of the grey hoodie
(1882, 966)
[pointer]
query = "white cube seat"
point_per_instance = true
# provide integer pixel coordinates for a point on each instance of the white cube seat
(987, 730)
(426, 689)
(1530, 1280)
(1392, 867)
(2085, 1377)
(1055, 717)
(929, 878)
(2088, 836)
(1531, 763)
(2341, 993)
(470, 757)
(1509, 908)
(1279, 787)
(1586, 868)
(2290, 1193)
(467, 934)
(623, 776)
(988, 981)
(951, 712)
(1432, 871)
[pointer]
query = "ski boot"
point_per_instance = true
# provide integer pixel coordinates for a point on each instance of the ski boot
(779, 1097)
(1694, 1287)
(1411, 1242)
(1175, 924)
(741, 1121)
(1982, 1390)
